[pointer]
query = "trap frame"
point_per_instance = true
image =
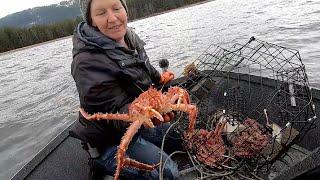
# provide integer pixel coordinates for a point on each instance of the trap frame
(256, 80)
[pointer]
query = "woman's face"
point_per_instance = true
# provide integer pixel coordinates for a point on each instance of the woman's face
(110, 17)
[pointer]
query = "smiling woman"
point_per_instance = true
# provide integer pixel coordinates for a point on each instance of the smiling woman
(111, 69)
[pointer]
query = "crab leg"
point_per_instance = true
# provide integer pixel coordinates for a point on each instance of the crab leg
(98, 116)
(138, 165)
(181, 96)
(218, 130)
(191, 110)
(125, 141)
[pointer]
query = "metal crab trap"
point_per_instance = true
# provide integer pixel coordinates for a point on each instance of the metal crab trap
(254, 103)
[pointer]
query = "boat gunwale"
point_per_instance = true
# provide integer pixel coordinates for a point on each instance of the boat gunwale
(43, 154)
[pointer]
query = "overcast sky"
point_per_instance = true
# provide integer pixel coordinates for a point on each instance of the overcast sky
(12, 6)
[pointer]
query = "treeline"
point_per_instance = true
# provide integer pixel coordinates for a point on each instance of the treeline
(13, 38)
(142, 8)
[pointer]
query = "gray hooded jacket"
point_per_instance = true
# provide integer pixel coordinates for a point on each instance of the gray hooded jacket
(108, 77)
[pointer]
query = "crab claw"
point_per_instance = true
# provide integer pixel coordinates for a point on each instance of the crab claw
(86, 115)
(138, 165)
(150, 112)
(155, 166)
(156, 114)
(153, 114)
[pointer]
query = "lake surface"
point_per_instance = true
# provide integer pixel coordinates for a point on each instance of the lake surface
(38, 97)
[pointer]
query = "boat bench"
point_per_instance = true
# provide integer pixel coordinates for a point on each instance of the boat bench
(95, 173)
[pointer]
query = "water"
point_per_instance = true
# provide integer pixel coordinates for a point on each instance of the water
(38, 98)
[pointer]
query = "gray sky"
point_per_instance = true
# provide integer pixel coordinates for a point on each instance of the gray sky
(12, 6)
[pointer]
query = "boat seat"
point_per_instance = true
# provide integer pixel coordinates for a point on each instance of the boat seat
(92, 151)
(95, 172)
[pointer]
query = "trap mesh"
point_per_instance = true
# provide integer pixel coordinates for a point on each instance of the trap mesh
(254, 102)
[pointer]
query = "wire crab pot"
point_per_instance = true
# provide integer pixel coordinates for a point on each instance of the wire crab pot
(254, 103)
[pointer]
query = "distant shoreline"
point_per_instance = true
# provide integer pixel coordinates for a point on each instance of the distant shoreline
(34, 45)
(170, 10)
(66, 37)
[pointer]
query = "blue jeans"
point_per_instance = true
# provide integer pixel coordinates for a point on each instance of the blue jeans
(146, 150)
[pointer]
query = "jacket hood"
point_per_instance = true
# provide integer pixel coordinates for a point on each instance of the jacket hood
(87, 38)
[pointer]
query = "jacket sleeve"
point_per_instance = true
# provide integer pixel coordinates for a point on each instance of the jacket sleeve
(96, 81)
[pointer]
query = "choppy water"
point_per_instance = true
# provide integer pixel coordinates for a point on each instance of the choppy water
(38, 98)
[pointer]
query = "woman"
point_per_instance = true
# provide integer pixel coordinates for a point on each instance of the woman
(111, 68)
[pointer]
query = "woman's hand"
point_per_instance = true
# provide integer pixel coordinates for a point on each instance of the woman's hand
(167, 118)
(166, 77)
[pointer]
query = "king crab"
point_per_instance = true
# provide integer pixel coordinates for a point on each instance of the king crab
(150, 104)
(209, 146)
(250, 141)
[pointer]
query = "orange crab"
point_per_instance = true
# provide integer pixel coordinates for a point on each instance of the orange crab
(209, 145)
(150, 104)
(250, 141)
